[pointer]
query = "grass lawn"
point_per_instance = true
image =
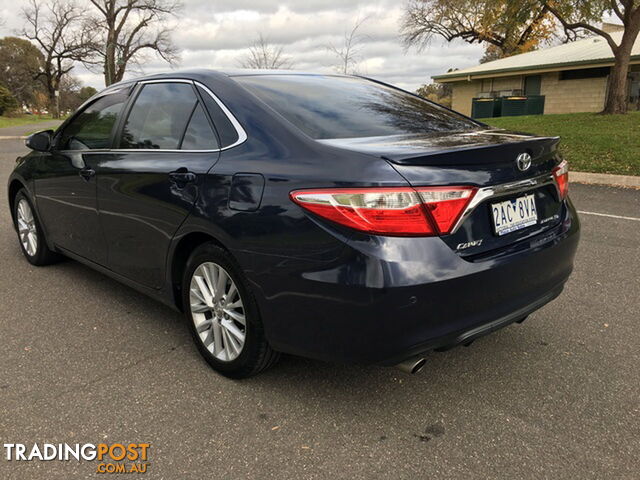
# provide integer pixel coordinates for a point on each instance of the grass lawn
(22, 120)
(590, 142)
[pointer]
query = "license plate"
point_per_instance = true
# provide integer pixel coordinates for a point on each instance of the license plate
(514, 214)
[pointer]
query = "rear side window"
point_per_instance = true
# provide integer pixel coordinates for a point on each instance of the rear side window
(165, 114)
(228, 134)
(344, 107)
(199, 135)
(92, 128)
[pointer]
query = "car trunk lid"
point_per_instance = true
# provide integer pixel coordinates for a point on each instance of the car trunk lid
(486, 159)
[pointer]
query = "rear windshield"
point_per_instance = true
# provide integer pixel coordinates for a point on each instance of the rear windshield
(347, 107)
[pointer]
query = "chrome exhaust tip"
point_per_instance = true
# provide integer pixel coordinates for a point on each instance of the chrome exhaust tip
(411, 365)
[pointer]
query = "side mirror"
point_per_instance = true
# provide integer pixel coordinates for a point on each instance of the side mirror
(40, 141)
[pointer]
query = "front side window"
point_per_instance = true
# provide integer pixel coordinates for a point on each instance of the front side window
(167, 116)
(341, 107)
(93, 127)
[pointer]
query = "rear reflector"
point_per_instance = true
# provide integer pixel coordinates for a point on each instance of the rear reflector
(401, 211)
(561, 174)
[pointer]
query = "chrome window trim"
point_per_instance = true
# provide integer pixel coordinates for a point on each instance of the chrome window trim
(242, 135)
(486, 193)
(165, 80)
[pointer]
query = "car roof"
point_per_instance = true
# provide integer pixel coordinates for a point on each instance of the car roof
(235, 72)
(239, 72)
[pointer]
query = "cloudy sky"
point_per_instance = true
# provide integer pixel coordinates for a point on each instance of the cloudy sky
(217, 34)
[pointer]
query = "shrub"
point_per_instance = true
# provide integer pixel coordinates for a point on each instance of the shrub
(8, 102)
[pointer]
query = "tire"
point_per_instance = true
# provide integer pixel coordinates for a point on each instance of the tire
(216, 320)
(30, 234)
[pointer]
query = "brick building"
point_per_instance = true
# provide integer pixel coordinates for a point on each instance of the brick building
(564, 79)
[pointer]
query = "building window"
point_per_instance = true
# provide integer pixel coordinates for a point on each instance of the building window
(532, 84)
(584, 73)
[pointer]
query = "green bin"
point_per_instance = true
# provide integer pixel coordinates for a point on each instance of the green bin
(485, 107)
(513, 106)
(535, 105)
(522, 105)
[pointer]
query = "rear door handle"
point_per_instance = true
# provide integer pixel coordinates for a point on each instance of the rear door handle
(182, 176)
(87, 173)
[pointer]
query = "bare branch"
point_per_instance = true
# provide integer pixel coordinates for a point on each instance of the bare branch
(616, 9)
(125, 30)
(265, 55)
(348, 53)
(55, 27)
(573, 26)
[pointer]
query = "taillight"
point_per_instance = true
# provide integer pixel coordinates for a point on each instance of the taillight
(446, 204)
(561, 174)
(401, 211)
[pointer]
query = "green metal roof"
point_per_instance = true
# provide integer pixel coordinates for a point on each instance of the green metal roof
(588, 51)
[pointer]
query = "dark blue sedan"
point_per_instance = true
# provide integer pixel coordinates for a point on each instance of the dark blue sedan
(332, 217)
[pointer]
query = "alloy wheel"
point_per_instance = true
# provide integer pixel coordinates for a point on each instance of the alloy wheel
(27, 230)
(217, 311)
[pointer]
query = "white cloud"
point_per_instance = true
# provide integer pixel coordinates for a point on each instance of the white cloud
(216, 34)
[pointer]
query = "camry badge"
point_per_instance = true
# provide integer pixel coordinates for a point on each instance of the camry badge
(523, 161)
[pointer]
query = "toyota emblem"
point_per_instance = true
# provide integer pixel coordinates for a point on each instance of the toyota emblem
(523, 161)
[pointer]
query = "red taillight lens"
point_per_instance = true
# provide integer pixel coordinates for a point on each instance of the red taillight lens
(402, 211)
(446, 204)
(561, 174)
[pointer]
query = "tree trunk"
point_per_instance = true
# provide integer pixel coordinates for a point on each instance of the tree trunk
(616, 101)
(109, 66)
(53, 104)
(110, 60)
(119, 73)
(617, 93)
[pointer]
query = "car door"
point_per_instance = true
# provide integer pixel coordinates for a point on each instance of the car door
(65, 183)
(149, 184)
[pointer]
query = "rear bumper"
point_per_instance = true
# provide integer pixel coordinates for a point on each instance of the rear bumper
(465, 337)
(387, 299)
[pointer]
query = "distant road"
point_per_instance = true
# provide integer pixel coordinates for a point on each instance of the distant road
(22, 130)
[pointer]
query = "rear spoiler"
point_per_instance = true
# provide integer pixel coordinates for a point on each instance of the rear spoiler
(480, 153)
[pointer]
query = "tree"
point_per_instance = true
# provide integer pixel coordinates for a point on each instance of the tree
(511, 27)
(263, 54)
(20, 64)
(578, 16)
(125, 30)
(86, 93)
(7, 101)
(54, 27)
(69, 88)
(436, 92)
(492, 53)
(73, 94)
(348, 53)
(40, 103)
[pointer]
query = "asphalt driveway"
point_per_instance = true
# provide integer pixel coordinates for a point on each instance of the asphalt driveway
(85, 359)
